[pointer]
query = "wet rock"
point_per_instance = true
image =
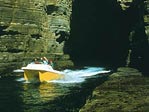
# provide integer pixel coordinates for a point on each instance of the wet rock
(126, 71)
(121, 93)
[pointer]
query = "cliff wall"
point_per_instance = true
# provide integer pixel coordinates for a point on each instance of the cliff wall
(33, 28)
(109, 32)
(123, 91)
(137, 12)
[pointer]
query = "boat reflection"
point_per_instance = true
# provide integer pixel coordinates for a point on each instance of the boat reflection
(65, 95)
(49, 91)
(42, 93)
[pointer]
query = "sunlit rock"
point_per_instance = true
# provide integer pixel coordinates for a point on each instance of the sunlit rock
(125, 3)
(32, 28)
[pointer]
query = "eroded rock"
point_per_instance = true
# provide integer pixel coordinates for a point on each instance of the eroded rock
(31, 28)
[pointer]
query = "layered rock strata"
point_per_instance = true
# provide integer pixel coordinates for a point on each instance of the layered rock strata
(33, 28)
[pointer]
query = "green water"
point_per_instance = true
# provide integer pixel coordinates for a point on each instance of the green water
(17, 96)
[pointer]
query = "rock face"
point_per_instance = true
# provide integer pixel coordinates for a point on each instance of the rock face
(42, 28)
(146, 18)
(110, 32)
(137, 12)
(33, 28)
(125, 91)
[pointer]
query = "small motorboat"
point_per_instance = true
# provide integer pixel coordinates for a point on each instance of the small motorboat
(40, 73)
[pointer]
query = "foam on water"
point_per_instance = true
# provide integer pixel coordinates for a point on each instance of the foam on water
(18, 71)
(20, 79)
(76, 76)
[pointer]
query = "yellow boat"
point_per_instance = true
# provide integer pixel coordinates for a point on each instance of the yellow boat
(40, 73)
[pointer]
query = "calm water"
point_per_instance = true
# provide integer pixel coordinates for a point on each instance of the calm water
(66, 95)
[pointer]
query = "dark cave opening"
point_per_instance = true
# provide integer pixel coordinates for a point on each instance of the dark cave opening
(99, 33)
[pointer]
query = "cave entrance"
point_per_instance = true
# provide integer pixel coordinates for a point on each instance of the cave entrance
(97, 33)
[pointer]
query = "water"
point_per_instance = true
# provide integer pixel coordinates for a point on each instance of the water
(65, 95)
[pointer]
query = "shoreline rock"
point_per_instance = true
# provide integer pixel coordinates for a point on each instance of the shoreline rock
(125, 91)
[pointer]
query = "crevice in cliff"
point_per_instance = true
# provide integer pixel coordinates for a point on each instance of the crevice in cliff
(63, 36)
(3, 27)
(36, 36)
(4, 31)
(10, 32)
(13, 50)
(50, 9)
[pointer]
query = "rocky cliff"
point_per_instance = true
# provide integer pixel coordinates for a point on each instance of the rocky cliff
(33, 28)
(137, 12)
(107, 33)
(110, 33)
(123, 91)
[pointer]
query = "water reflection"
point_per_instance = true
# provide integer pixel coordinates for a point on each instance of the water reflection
(47, 91)
(40, 96)
(66, 95)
